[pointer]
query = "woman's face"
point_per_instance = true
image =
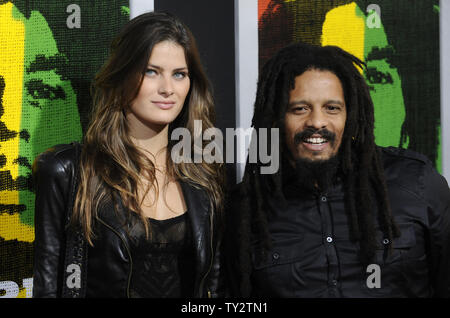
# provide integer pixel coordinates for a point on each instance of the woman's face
(164, 88)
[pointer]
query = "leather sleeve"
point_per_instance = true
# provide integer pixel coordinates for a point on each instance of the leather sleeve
(437, 194)
(51, 182)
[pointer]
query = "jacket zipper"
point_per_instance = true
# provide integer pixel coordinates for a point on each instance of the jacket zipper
(211, 217)
(128, 251)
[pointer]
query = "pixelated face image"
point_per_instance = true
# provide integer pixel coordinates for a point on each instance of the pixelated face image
(345, 26)
(38, 110)
(315, 117)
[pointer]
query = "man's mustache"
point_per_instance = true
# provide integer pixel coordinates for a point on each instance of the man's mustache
(308, 132)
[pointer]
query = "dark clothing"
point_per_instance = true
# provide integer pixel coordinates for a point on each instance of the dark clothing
(312, 254)
(110, 263)
(164, 261)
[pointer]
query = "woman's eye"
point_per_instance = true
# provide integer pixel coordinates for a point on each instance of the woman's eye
(150, 72)
(180, 75)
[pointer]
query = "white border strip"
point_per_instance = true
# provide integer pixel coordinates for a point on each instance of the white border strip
(138, 7)
(445, 85)
(246, 70)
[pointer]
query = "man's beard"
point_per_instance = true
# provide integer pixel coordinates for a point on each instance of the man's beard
(317, 175)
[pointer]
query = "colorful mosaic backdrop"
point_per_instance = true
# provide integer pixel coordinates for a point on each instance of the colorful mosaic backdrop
(49, 53)
(399, 41)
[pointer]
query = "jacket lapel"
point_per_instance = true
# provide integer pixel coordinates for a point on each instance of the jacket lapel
(198, 210)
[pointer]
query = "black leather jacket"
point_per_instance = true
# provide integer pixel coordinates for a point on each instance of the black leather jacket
(312, 254)
(109, 262)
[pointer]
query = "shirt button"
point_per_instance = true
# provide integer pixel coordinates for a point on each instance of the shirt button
(324, 199)
(329, 239)
(386, 241)
(334, 282)
(276, 256)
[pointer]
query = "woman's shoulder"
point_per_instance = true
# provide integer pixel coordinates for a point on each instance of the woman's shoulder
(59, 159)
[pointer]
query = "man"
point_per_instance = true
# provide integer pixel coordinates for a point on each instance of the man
(370, 44)
(342, 217)
(397, 43)
(38, 109)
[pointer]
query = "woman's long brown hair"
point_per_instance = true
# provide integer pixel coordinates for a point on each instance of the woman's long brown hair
(110, 163)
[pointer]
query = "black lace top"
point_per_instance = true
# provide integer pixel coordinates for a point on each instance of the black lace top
(163, 265)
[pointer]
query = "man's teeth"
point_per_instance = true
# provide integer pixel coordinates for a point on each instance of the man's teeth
(315, 140)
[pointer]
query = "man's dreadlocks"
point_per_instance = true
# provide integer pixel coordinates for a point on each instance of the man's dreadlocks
(362, 170)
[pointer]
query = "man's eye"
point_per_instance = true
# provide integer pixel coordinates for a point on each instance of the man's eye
(333, 108)
(39, 90)
(299, 109)
(376, 77)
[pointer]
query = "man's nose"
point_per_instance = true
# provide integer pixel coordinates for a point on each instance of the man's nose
(165, 86)
(317, 119)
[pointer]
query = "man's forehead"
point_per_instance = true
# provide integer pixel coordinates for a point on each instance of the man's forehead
(316, 77)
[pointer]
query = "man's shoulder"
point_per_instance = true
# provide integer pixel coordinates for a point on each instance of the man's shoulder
(405, 163)
(411, 170)
(404, 155)
(237, 192)
(234, 195)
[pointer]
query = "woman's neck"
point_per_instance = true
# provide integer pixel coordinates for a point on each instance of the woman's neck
(153, 140)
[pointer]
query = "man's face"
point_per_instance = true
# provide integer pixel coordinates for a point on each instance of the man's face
(315, 117)
(38, 110)
(345, 26)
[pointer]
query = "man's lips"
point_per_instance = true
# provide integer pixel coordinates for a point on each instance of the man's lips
(314, 137)
(315, 146)
(164, 104)
(314, 141)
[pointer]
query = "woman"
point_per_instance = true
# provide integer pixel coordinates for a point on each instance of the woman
(141, 225)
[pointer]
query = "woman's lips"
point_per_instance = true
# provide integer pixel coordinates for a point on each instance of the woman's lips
(164, 105)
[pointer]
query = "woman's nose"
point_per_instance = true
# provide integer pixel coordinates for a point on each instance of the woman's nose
(165, 86)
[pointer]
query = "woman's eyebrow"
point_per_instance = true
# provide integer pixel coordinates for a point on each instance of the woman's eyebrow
(161, 68)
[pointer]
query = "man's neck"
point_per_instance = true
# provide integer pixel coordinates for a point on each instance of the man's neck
(316, 175)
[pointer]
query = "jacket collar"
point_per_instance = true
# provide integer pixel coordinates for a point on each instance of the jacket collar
(198, 207)
(200, 215)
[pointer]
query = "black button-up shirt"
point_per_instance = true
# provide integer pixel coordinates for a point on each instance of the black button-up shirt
(312, 254)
